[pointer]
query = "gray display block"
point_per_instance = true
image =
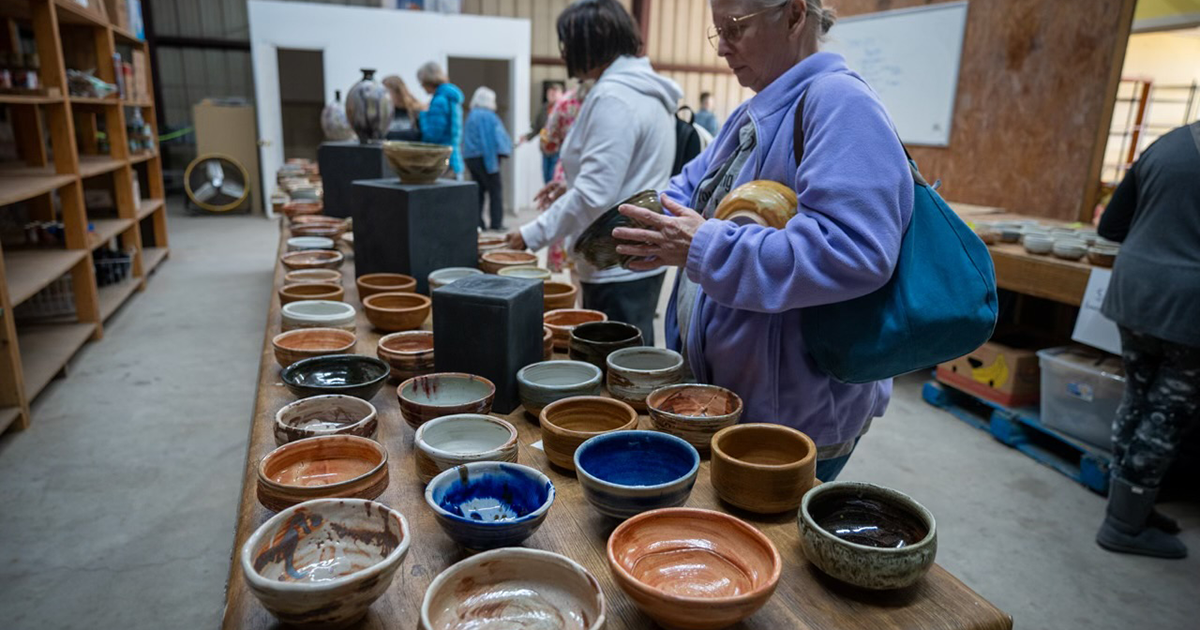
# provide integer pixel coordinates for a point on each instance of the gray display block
(414, 228)
(490, 326)
(342, 163)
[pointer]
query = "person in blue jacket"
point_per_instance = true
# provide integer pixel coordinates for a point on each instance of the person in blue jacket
(442, 123)
(485, 142)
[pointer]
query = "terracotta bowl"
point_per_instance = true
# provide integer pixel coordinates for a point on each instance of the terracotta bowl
(349, 374)
(297, 208)
(511, 588)
(449, 441)
(547, 343)
(397, 311)
(1102, 256)
(635, 372)
(329, 466)
(331, 414)
(424, 398)
(693, 569)
(447, 275)
(867, 535)
(372, 283)
(594, 341)
(528, 272)
(330, 276)
(540, 384)
(318, 314)
(562, 321)
(302, 243)
(321, 564)
(485, 505)
(488, 243)
(417, 162)
(693, 412)
(569, 422)
(763, 468)
(315, 219)
(289, 293)
(313, 259)
(557, 295)
(304, 343)
(409, 353)
(498, 259)
(331, 231)
(624, 473)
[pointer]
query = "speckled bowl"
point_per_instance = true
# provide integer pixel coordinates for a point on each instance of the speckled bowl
(311, 291)
(318, 314)
(447, 275)
(562, 321)
(633, 373)
(497, 259)
(417, 162)
(313, 259)
(694, 412)
(331, 414)
(529, 272)
(393, 312)
(409, 353)
(629, 472)
(594, 341)
(349, 374)
(569, 422)
(424, 398)
(327, 466)
(485, 505)
(540, 384)
(305, 343)
(372, 283)
(558, 295)
(449, 441)
(300, 276)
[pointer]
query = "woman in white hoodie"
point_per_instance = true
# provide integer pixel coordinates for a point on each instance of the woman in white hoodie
(623, 142)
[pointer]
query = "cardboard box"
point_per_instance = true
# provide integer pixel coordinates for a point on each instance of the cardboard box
(997, 372)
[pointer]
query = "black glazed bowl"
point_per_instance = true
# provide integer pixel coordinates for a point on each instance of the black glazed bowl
(594, 341)
(597, 245)
(347, 374)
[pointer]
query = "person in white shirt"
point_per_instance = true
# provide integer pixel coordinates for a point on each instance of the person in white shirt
(622, 143)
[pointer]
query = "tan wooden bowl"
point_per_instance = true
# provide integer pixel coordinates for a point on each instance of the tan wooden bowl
(304, 343)
(393, 312)
(289, 293)
(763, 468)
(372, 283)
(331, 466)
(562, 321)
(556, 295)
(569, 422)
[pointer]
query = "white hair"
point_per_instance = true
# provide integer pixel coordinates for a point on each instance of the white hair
(431, 73)
(815, 8)
(485, 98)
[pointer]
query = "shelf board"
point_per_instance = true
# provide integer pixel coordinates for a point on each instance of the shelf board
(142, 156)
(92, 100)
(29, 99)
(93, 165)
(29, 271)
(104, 230)
(19, 184)
(151, 257)
(143, 103)
(69, 12)
(147, 208)
(114, 295)
(46, 349)
(126, 36)
(8, 415)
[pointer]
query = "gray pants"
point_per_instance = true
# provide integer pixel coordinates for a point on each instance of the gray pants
(630, 302)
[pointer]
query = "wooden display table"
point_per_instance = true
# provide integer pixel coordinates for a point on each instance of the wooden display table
(805, 598)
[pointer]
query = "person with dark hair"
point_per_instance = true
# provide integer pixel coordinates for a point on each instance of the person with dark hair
(705, 116)
(552, 91)
(622, 142)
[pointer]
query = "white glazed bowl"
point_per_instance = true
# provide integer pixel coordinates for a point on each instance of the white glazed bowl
(447, 275)
(301, 243)
(318, 314)
(449, 441)
(1038, 244)
(1070, 248)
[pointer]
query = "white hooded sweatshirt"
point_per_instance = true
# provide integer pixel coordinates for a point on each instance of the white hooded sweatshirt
(622, 142)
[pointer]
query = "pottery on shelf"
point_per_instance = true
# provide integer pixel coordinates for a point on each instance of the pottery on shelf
(318, 314)
(449, 441)
(547, 343)
(313, 259)
(1069, 248)
(325, 230)
(446, 275)
(369, 108)
(408, 353)
(485, 505)
(760, 202)
(302, 243)
(321, 564)
(562, 321)
(1039, 244)
(417, 162)
(633, 373)
(489, 242)
(300, 276)
(314, 219)
(296, 208)
(497, 259)
(514, 588)
(528, 272)
(334, 123)
(867, 535)
(569, 422)
(594, 341)
(629, 472)
(349, 374)
(304, 343)
(694, 412)
(693, 569)
(331, 414)
(328, 466)
(393, 312)
(423, 398)
(289, 293)
(596, 244)
(558, 295)
(373, 283)
(1103, 255)
(539, 384)
(763, 468)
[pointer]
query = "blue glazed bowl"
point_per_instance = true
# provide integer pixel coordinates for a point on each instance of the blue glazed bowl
(485, 505)
(629, 472)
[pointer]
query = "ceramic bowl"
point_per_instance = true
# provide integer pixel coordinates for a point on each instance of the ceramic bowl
(372, 283)
(289, 293)
(424, 398)
(305, 343)
(547, 343)
(633, 373)
(498, 259)
(558, 295)
(569, 422)
(529, 272)
(1009, 234)
(297, 208)
(629, 472)
(331, 231)
(1069, 248)
(313, 259)
(763, 468)
(417, 162)
(1061, 232)
(397, 311)
(485, 505)
(321, 219)
(349, 374)
(1038, 244)
(1102, 255)
(330, 276)
(694, 412)
(302, 243)
(489, 243)
(867, 535)
(449, 441)
(408, 353)
(540, 384)
(322, 563)
(594, 341)
(328, 466)
(988, 235)
(693, 569)
(331, 414)
(760, 202)
(318, 314)
(596, 244)
(562, 321)
(447, 275)
(514, 588)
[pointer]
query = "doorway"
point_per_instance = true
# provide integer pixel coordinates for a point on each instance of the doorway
(301, 99)
(470, 73)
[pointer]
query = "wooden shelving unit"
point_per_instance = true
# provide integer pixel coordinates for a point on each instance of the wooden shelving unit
(56, 140)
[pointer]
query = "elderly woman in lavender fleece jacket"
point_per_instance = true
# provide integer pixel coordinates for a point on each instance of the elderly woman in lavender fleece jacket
(737, 304)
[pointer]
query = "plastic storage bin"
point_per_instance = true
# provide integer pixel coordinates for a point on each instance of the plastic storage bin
(1081, 390)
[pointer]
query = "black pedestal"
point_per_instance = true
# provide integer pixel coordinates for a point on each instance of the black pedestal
(414, 228)
(490, 326)
(343, 162)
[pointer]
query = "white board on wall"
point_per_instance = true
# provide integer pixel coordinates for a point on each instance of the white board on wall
(911, 58)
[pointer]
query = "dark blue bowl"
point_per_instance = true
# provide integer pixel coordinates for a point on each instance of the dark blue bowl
(624, 473)
(347, 374)
(485, 505)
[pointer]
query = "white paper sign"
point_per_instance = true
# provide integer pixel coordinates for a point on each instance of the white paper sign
(1091, 327)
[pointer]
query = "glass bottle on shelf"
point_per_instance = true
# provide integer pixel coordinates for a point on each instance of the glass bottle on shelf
(33, 65)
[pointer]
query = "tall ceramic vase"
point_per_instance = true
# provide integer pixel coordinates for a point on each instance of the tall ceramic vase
(369, 108)
(333, 120)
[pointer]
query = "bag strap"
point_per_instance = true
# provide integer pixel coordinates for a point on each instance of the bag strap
(1196, 133)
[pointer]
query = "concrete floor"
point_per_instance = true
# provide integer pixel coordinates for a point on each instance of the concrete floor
(119, 501)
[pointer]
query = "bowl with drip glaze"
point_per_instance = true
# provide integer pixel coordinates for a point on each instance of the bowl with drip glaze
(329, 466)
(330, 414)
(486, 505)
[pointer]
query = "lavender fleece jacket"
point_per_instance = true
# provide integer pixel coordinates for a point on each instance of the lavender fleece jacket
(855, 194)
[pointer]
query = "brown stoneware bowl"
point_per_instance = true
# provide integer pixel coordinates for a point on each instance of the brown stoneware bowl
(331, 414)
(562, 321)
(693, 569)
(423, 398)
(490, 243)
(329, 276)
(409, 353)
(569, 422)
(633, 373)
(371, 283)
(498, 259)
(293, 209)
(318, 219)
(547, 343)
(303, 343)
(417, 162)
(313, 259)
(763, 468)
(693, 412)
(556, 295)
(328, 230)
(594, 341)
(329, 466)
(289, 293)
(392, 312)
(528, 272)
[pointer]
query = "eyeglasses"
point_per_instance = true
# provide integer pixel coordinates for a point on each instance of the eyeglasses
(733, 28)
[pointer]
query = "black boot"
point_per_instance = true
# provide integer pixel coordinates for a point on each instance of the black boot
(1158, 520)
(1125, 528)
